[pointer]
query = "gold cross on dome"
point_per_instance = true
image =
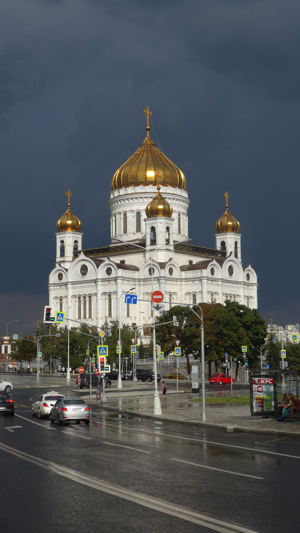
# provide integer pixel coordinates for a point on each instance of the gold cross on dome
(226, 196)
(148, 113)
(69, 194)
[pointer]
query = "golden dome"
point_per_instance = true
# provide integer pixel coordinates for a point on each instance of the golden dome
(69, 221)
(148, 166)
(227, 223)
(158, 207)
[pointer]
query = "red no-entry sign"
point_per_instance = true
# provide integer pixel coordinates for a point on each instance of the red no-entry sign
(157, 297)
(81, 370)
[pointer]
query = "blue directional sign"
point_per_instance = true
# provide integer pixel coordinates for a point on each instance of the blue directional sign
(274, 339)
(102, 350)
(59, 317)
(130, 298)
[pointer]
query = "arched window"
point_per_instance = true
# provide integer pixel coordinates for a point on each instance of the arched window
(124, 222)
(179, 223)
(235, 249)
(167, 235)
(138, 222)
(223, 246)
(90, 307)
(194, 299)
(84, 307)
(75, 248)
(152, 235)
(61, 305)
(109, 306)
(79, 306)
(62, 249)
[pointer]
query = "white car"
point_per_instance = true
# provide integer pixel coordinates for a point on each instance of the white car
(43, 405)
(6, 385)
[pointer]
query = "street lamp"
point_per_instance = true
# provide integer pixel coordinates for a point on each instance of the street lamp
(120, 347)
(202, 361)
(7, 323)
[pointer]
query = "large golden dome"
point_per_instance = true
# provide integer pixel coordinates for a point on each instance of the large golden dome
(227, 223)
(158, 207)
(69, 221)
(148, 166)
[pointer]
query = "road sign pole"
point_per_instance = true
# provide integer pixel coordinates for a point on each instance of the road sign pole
(104, 398)
(231, 375)
(177, 375)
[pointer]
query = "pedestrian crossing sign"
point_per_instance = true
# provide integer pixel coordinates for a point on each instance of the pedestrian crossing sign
(93, 360)
(40, 354)
(294, 338)
(102, 350)
(15, 336)
(59, 317)
(133, 348)
(177, 351)
(119, 349)
(161, 356)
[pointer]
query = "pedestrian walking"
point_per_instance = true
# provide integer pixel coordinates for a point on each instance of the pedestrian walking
(63, 370)
(164, 389)
(99, 392)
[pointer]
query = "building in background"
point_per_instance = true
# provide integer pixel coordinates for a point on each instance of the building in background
(284, 333)
(149, 249)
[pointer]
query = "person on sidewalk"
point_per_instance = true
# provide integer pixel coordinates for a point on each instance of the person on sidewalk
(285, 405)
(295, 406)
(99, 392)
(164, 389)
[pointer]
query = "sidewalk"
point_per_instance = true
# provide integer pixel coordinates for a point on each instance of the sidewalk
(177, 408)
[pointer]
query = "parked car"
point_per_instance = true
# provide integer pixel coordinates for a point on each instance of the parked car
(70, 409)
(146, 375)
(85, 380)
(43, 405)
(113, 374)
(5, 385)
(6, 404)
(173, 375)
(221, 379)
(127, 375)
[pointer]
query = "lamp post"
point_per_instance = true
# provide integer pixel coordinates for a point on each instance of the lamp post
(120, 346)
(7, 323)
(202, 362)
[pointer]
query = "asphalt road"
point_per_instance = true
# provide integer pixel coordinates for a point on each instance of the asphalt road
(123, 474)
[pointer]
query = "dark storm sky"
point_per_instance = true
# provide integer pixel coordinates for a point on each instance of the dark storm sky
(222, 79)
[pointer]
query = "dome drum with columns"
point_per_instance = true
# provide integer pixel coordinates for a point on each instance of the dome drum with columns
(149, 218)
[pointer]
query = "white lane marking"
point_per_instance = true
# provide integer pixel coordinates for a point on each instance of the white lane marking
(11, 428)
(74, 435)
(225, 445)
(128, 447)
(36, 423)
(213, 468)
(136, 497)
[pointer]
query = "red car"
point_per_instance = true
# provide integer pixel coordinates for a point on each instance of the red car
(221, 379)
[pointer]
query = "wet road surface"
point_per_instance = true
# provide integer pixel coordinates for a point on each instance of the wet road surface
(138, 475)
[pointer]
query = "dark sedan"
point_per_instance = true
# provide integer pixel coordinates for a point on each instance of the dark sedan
(7, 406)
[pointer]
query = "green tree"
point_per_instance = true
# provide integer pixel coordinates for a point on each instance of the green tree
(293, 355)
(272, 352)
(142, 350)
(24, 349)
(127, 333)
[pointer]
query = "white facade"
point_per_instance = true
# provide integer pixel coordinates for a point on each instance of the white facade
(284, 334)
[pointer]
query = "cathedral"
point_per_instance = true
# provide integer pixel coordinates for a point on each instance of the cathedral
(149, 249)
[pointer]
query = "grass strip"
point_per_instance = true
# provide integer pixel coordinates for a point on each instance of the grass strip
(243, 400)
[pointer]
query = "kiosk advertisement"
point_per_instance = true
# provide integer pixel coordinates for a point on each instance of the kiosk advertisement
(263, 395)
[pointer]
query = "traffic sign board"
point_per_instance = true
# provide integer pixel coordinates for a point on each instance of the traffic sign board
(226, 356)
(102, 334)
(119, 349)
(161, 356)
(244, 348)
(81, 370)
(93, 360)
(130, 298)
(177, 343)
(158, 307)
(157, 297)
(40, 354)
(59, 317)
(15, 336)
(177, 351)
(132, 341)
(87, 352)
(294, 337)
(133, 348)
(283, 354)
(102, 350)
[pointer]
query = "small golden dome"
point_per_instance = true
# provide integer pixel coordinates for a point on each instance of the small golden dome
(69, 221)
(227, 223)
(158, 207)
(148, 166)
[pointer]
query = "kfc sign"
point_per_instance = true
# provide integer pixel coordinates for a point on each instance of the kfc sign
(262, 381)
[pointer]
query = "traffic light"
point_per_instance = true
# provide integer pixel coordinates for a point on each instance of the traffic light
(246, 361)
(47, 315)
(102, 364)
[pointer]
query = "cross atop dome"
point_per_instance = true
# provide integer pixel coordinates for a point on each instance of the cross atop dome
(148, 114)
(69, 194)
